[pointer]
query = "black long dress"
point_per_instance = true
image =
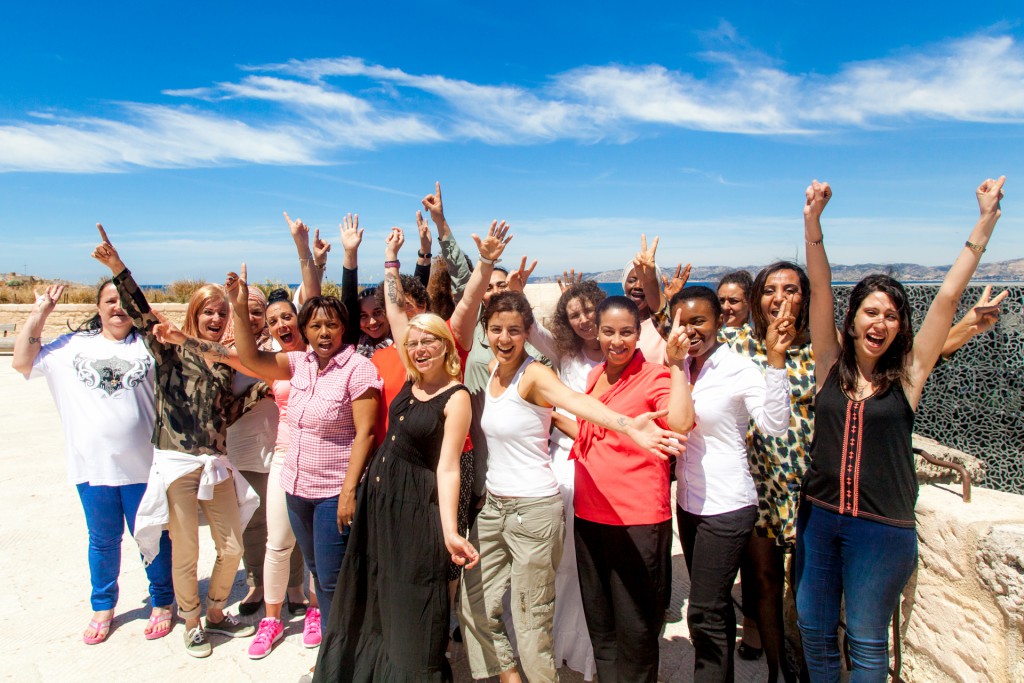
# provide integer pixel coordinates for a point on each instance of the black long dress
(389, 621)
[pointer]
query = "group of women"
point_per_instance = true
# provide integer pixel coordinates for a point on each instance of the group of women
(363, 443)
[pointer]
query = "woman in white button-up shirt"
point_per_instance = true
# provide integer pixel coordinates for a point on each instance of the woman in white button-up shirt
(716, 503)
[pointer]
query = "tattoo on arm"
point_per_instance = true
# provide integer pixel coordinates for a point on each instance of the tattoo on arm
(207, 348)
(35, 340)
(622, 422)
(391, 283)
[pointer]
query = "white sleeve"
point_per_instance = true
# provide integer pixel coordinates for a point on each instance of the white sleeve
(767, 399)
(544, 341)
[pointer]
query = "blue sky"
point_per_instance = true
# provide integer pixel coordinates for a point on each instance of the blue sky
(187, 128)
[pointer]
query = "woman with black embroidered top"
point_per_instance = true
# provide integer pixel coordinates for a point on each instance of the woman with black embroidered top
(194, 406)
(856, 529)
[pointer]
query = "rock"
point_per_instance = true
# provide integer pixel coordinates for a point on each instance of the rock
(929, 473)
(1000, 559)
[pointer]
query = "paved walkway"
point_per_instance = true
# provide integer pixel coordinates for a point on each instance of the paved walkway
(43, 561)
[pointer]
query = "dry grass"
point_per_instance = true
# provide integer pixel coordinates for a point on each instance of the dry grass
(22, 291)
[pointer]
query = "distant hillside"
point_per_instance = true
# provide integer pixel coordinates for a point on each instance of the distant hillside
(1001, 270)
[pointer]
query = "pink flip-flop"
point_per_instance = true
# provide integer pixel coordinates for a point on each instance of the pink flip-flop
(157, 619)
(102, 629)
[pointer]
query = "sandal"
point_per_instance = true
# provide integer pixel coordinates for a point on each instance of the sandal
(157, 619)
(102, 629)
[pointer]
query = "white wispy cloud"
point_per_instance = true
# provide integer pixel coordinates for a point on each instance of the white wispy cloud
(312, 111)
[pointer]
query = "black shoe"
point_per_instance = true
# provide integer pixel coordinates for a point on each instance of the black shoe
(298, 608)
(749, 652)
(249, 608)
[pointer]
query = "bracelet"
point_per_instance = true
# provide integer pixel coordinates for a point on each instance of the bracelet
(422, 255)
(393, 264)
(976, 248)
(320, 266)
(489, 261)
(306, 260)
(815, 243)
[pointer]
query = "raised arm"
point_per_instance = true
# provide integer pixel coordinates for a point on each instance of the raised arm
(931, 337)
(767, 397)
(423, 256)
(133, 301)
(822, 314)
(647, 272)
(681, 414)
(394, 298)
(266, 364)
(460, 267)
(981, 318)
(467, 311)
(457, 415)
(29, 341)
(312, 269)
(351, 238)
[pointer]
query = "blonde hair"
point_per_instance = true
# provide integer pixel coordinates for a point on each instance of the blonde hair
(197, 302)
(431, 324)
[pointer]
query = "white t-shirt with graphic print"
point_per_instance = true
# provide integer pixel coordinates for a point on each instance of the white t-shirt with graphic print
(104, 395)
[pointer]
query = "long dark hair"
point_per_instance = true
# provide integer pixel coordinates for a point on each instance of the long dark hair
(892, 366)
(758, 317)
(94, 325)
(588, 292)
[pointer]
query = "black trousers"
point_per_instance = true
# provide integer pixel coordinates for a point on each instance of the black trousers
(624, 579)
(713, 546)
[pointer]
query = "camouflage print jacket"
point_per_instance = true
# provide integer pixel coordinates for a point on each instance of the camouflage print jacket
(194, 402)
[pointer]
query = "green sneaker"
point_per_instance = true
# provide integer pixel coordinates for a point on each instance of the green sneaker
(196, 643)
(230, 626)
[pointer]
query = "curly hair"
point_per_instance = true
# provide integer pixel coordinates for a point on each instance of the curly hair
(439, 288)
(412, 288)
(892, 366)
(589, 294)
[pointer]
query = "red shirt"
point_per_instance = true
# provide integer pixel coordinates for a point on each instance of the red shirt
(391, 369)
(617, 482)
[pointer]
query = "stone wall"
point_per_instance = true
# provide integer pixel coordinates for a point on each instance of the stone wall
(962, 613)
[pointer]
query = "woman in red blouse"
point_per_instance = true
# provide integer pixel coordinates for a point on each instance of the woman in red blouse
(623, 512)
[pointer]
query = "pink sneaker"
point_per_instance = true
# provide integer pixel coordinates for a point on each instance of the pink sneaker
(311, 628)
(270, 631)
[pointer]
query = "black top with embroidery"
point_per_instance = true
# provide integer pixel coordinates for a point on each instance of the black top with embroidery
(194, 401)
(862, 458)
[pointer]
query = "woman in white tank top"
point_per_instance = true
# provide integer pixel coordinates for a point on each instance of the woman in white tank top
(521, 526)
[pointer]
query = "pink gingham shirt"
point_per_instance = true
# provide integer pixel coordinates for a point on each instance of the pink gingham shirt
(320, 424)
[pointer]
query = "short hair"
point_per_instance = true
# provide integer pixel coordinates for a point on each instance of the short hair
(431, 324)
(738, 277)
(196, 303)
(586, 291)
(508, 302)
(412, 288)
(621, 303)
(892, 366)
(757, 292)
(695, 292)
(322, 303)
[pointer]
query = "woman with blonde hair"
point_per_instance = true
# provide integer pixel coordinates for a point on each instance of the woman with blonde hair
(391, 617)
(194, 407)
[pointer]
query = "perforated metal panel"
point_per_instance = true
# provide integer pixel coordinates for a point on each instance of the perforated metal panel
(975, 401)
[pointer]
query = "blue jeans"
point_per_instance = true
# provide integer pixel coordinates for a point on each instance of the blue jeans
(869, 562)
(315, 523)
(107, 508)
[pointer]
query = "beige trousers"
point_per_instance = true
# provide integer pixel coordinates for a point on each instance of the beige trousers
(226, 529)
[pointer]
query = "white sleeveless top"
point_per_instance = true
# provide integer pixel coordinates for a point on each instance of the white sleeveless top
(518, 465)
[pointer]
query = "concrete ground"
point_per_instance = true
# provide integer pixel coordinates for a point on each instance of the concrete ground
(43, 543)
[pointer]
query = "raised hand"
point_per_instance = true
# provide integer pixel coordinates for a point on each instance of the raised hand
(299, 230)
(48, 298)
(238, 290)
(817, 195)
(106, 254)
(393, 244)
(985, 313)
(569, 278)
(644, 258)
(492, 246)
(989, 193)
(675, 285)
(168, 333)
(320, 249)
(424, 229)
(351, 233)
(645, 432)
(780, 334)
(517, 278)
(432, 203)
(462, 551)
(677, 346)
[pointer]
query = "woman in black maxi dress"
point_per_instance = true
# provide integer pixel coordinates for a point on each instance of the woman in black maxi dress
(390, 622)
